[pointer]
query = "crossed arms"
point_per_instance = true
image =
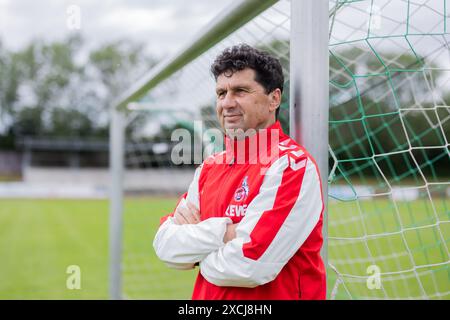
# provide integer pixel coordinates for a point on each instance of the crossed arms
(277, 222)
(187, 213)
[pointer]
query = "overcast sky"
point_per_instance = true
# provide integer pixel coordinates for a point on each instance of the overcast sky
(164, 25)
(168, 25)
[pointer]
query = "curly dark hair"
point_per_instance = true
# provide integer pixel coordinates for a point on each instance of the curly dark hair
(268, 70)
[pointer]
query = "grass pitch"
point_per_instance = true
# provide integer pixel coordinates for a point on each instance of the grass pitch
(40, 239)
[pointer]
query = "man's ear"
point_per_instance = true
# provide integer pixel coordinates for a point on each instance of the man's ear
(275, 99)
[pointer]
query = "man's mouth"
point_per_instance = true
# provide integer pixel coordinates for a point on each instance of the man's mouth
(232, 116)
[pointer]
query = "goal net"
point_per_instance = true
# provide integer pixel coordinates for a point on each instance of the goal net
(389, 165)
(389, 180)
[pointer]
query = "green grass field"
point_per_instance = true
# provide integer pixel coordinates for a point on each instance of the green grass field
(39, 239)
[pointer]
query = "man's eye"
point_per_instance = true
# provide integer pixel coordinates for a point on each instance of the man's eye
(220, 94)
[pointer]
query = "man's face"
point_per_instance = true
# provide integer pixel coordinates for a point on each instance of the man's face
(242, 103)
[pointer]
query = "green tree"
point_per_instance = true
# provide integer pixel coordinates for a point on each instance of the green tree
(59, 89)
(118, 65)
(9, 84)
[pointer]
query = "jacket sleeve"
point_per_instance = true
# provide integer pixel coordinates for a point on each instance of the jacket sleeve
(277, 222)
(181, 246)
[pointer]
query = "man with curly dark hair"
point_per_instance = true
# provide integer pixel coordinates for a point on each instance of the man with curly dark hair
(268, 70)
(252, 217)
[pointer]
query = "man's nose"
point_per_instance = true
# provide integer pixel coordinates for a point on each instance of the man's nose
(229, 101)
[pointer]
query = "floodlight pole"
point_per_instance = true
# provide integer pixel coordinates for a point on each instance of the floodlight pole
(116, 161)
(309, 88)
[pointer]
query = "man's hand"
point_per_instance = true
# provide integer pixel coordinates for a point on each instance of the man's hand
(187, 214)
(230, 234)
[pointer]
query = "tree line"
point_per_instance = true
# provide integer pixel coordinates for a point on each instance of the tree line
(65, 88)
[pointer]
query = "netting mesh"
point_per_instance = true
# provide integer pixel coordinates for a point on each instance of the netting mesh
(389, 156)
(389, 129)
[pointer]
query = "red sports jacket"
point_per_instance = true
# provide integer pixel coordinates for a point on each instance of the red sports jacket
(270, 186)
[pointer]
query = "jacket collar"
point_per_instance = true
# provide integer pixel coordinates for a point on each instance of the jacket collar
(255, 148)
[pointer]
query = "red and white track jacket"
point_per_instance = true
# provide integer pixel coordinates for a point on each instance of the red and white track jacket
(274, 192)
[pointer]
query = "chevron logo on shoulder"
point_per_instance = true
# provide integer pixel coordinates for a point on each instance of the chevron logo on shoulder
(297, 160)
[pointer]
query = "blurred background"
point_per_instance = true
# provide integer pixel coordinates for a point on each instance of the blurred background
(64, 64)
